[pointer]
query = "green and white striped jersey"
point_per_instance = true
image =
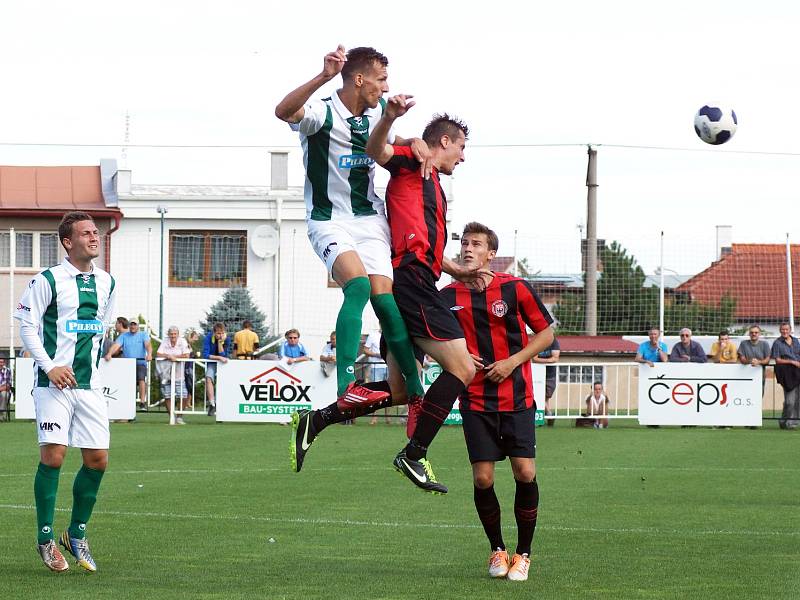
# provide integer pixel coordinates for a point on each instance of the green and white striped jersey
(339, 175)
(70, 310)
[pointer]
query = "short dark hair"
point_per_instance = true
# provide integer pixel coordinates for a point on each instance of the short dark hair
(218, 325)
(444, 124)
(123, 321)
(361, 59)
(247, 324)
(68, 220)
(723, 332)
(754, 325)
(288, 331)
(600, 383)
(475, 227)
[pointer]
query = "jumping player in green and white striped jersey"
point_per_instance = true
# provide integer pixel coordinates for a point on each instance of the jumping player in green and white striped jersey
(62, 317)
(348, 230)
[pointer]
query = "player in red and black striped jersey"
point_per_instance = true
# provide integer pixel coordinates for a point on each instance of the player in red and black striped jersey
(416, 209)
(498, 406)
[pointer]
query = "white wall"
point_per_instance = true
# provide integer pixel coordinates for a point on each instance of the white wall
(306, 301)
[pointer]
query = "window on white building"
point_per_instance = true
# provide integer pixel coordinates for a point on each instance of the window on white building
(207, 258)
(33, 250)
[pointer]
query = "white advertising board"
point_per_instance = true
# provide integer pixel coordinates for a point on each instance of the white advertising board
(258, 391)
(699, 394)
(118, 378)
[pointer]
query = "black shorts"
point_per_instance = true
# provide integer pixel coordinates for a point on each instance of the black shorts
(493, 436)
(425, 312)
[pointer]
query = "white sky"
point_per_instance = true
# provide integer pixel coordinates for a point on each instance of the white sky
(615, 72)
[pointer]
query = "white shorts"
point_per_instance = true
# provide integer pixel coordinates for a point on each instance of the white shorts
(369, 236)
(77, 418)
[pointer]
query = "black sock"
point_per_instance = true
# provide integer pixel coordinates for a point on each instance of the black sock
(332, 414)
(526, 507)
(489, 513)
(435, 407)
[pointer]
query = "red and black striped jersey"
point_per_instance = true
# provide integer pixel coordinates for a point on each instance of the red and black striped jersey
(416, 209)
(494, 326)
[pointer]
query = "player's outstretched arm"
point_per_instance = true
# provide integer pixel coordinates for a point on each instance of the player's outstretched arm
(290, 109)
(378, 147)
(475, 278)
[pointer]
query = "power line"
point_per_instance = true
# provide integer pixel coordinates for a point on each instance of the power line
(482, 146)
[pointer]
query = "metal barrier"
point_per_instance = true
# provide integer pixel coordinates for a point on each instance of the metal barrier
(189, 402)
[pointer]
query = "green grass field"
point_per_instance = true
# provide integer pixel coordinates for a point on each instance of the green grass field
(212, 511)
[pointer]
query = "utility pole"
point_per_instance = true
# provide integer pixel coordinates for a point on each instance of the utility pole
(591, 244)
(162, 211)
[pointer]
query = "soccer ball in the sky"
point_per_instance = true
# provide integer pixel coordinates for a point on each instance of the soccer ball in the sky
(715, 124)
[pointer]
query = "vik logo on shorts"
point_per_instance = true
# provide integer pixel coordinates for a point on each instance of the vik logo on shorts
(91, 326)
(328, 249)
(49, 426)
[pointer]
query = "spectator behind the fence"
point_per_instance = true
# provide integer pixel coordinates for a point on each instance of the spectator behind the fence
(375, 368)
(372, 351)
(687, 350)
(723, 350)
(135, 344)
(171, 349)
(549, 356)
(188, 367)
(291, 350)
(755, 352)
(652, 351)
(245, 341)
(597, 405)
(327, 359)
(120, 327)
(5, 389)
(786, 352)
(216, 347)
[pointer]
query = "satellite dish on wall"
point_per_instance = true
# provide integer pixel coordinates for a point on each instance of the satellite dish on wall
(264, 241)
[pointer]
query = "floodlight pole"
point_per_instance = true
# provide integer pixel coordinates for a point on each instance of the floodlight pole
(12, 259)
(162, 210)
(661, 290)
(591, 244)
(789, 282)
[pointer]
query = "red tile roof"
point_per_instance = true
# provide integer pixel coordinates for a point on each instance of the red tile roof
(501, 264)
(600, 344)
(51, 188)
(755, 275)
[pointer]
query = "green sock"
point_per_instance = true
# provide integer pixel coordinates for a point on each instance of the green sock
(45, 488)
(396, 334)
(84, 495)
(348, 330)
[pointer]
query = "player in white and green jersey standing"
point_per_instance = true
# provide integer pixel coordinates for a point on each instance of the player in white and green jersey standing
(62, 317)
(348, 230)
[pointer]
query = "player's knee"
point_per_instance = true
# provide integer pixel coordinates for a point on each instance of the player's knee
(53, 455)
(357, 290)
(483, 481)
(466, 372)
(525, 474)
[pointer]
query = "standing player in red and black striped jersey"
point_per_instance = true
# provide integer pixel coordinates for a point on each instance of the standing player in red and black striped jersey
(498, 406)
(416, 208)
